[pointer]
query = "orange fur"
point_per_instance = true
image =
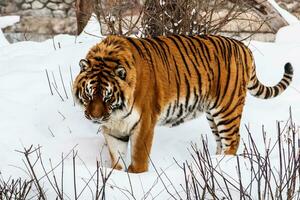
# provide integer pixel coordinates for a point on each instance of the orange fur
(167, 81)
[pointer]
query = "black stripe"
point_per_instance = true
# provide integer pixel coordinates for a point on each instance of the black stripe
(162, 54)
(196, 101)
(204, 49)
(230, 144)
(196, 67)
(253, 73)
(207, 65)
(229, 112)
(268, 93)
(180, 111)
(228, 46)
(129, 113)
(174, 107)
(178, 81)
(222, 46)
(181, 54)
(229, 136)
(135, 125)
(260, 90)
(168, 111)
(208, 75)
(187, 84)
(110, 59)
(282, 85)
(276, 91)
(192, 48)
(209, 119)
(286, 82)
(227, 80)
(228, 129)
(288, 76)
(218, 83)
(137, 47)
(256, 84)
(122, 138)
(204, 46)
(213, 42)
(152, 63)
(128, 65)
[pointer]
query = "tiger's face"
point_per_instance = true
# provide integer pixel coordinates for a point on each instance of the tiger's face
(105, 83)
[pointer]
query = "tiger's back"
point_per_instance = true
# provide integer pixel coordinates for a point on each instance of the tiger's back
(194, 74)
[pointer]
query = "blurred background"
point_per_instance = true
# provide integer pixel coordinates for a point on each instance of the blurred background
(42, 19)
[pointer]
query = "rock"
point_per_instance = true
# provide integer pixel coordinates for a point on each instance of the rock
(29, 1)
(63, 6)
(38, 12)
(71, 26)
(52, 6)
(44, 1)
(69, 1)
(3, 3)
(67, 25)
(58, 27)
(57, 1)
(18, 1)
(37, 5)
(71, 13)
(45, 12)
(59, 13)
(9, 8)
(290, 5)
(26, 6)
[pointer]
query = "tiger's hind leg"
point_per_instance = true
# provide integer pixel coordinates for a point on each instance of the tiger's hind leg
(214, 130)
(228, 124)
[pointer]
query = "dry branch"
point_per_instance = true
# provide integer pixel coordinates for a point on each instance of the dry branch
(163, 17)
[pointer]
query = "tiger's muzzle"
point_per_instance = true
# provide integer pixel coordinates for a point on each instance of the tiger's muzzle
(96, 110)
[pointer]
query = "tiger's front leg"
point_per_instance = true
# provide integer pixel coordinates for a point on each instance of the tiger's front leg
(141, 142)
(117, 147)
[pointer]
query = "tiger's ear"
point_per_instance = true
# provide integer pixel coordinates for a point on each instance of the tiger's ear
(120, 72)
(83, 63)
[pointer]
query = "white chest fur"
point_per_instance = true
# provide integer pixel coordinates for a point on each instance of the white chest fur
(120, 124)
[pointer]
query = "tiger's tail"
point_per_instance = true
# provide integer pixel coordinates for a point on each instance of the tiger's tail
(259, 90)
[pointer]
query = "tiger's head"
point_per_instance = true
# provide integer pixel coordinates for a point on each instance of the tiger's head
(107, 78)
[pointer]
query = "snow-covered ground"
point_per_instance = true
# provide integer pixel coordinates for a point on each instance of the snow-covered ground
(4, 22)
(30, 115)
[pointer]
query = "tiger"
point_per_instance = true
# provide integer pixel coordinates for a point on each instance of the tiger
(130, 85)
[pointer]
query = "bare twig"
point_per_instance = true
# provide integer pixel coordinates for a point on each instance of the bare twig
(49, 82)
(62, 81)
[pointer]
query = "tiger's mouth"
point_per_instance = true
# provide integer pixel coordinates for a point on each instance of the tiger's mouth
(101, 120)
(97, 119)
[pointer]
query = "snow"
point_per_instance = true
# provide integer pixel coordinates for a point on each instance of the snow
(292, 32)
(4, 22)
(30, 115)
(8, 20)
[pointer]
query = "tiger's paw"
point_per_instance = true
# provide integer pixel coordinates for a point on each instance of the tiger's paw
(118, 167)
(137, 168)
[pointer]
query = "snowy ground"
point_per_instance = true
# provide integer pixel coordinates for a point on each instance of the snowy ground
(29, 114)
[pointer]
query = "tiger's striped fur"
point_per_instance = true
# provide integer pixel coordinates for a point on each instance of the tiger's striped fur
(129, 85)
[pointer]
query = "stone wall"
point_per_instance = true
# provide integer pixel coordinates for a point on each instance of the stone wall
(40, 19)
(293, 6)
